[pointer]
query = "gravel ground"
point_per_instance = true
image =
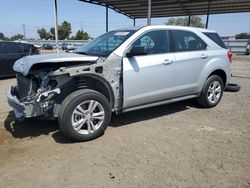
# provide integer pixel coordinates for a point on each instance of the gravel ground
(175, 145)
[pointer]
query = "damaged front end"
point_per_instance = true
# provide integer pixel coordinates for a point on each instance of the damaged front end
(39, 81)
(44, 81)
(32, 96)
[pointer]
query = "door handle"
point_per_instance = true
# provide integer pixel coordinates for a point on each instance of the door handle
(167, 62)
(203, 56)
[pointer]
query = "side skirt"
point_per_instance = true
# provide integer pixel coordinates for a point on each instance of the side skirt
(159, 103)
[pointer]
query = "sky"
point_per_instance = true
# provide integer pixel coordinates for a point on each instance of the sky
(35, 14)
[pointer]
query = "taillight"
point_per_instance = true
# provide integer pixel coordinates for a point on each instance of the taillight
(230, 56)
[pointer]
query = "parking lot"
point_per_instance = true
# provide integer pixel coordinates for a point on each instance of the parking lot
(175, 145)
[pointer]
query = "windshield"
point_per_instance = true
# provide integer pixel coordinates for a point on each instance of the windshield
(105, 44)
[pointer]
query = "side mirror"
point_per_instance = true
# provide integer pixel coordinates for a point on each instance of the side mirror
(136, 50)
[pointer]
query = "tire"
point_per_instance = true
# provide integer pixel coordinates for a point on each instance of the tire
(232, 87)
(80, 122)
(210, 97)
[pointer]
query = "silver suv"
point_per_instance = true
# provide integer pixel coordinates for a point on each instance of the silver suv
(120, 71)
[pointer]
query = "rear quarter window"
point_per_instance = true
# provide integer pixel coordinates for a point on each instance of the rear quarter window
(216, 38)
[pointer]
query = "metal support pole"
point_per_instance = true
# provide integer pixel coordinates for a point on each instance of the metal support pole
(149, 12)
(208, 11)
(24, 35)
(56, 25)
(107, 18)
(189, 19)
(207, 20)
(134, 22)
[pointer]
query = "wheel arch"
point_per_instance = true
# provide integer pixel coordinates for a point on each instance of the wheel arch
(216, 66)
(221, 73)
(89, 81)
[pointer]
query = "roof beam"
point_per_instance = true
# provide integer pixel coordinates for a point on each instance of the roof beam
(111, 7)
(182, 7)
(169, 8)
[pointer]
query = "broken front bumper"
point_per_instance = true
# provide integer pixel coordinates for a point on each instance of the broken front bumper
(23, 109)
(17, 106)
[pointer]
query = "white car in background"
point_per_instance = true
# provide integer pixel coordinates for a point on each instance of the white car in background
(70, 46)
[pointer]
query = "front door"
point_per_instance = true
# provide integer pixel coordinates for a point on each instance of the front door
(149, 78)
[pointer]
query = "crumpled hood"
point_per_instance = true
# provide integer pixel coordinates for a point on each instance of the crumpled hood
(24, 64)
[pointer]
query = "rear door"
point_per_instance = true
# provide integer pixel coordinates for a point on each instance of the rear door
(13, 53)
(190, 58)
(149, 78)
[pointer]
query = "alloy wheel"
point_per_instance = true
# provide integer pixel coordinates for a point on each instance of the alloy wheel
(88, 117)
(214, 92)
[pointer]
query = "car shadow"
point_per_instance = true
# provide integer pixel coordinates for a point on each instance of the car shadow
(29, 127)
(37, 127)
(7, 77)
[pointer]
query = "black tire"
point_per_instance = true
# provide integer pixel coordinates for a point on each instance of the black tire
(203, 99)
(232, 87)
(69, 105)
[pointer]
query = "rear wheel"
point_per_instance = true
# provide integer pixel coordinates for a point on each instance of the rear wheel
(84, 115)
(212, 92)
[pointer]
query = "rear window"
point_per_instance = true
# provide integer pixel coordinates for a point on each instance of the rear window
(216, 38)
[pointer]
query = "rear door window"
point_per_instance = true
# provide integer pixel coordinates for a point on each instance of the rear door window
(216, 38)
(13, 48)
(187, 41)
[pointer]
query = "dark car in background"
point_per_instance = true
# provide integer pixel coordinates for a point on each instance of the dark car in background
(248, 48)
(12, 51)
(64, 46)
(47, 47)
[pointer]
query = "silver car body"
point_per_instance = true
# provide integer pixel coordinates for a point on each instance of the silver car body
(133, 83)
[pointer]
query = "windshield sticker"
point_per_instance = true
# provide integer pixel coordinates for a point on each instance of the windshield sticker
(122, 33)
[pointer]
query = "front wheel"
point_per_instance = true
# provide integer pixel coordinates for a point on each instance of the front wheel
(84, 115)
(212, 92)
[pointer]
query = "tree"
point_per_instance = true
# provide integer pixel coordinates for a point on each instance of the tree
(242, 36)
(81, 35)
(43, 34)
(17, 37)
(195, 21)
(2, 37)
(64, 31)
(52, 33)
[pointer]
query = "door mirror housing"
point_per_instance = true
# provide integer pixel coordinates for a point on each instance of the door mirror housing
(136, 50)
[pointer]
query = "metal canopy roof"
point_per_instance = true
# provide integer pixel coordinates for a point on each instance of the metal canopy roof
(170, 8)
